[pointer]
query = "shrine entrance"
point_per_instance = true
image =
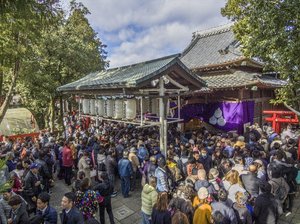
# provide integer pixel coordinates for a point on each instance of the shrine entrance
(280, 117)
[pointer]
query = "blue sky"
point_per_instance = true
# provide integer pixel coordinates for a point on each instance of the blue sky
(139, 30)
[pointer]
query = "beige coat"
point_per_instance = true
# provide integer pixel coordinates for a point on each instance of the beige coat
(83, 166)
(134, 161)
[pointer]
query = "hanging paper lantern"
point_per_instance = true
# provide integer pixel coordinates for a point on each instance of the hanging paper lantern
(154, 106)
(146, 105)
(131, 109)
(119, 111)
(109, 108)
(92, 107)
(100, 107)
(86, 106)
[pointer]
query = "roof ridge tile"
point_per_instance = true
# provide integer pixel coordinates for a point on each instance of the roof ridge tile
(213, 31)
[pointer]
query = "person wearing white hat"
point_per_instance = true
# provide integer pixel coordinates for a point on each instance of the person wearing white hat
(261, 170)
(202, 209)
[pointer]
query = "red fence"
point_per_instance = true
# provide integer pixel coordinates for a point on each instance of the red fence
(22, 136)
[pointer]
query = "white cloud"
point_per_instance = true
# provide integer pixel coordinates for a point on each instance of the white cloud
(137, 30)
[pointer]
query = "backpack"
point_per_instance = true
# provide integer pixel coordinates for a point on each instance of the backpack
(281, 192)
(101, 166)
(182, 166)
(101, 163)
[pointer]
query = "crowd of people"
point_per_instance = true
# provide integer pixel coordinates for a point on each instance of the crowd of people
(203, 177)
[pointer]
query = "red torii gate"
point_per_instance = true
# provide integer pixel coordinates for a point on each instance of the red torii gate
(279, 117)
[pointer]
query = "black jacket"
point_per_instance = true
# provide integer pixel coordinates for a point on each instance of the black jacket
(266, 209)
(111, 165)
(44, 171)
(251, 183)
(158, 217)
(74, 216)
(30, 189)
(20, 216)
(105, 189)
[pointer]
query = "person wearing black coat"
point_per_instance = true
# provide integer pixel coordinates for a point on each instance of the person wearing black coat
(18, 214)
(70, 214)
(32, 187)
(105, 189)
(251, 181)
(160, 213)
(111, 167)
(44, 171)
(266, 202)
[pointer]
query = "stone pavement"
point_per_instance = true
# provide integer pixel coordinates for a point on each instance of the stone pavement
(127, 210)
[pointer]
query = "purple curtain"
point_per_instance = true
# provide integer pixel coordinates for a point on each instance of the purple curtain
(226, 116)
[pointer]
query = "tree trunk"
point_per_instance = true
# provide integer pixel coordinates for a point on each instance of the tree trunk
(61, 114)
(292, 109)
(9, 94)
(52, 113)
(1, 80)
(46, 118)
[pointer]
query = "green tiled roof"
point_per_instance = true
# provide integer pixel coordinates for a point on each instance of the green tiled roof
(241, 79)
(127, 76)
(212, 47)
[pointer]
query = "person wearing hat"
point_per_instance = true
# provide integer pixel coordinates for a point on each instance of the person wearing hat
(44, 171)
(215, 180)
(135, 166)
(125, 172)
(202, 208)
(32, 186)
(261, 170)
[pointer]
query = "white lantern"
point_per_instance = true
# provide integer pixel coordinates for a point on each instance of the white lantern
(100, 107)
(130, 108)
(154, 106)
(146, 105)
(119, 110)
(109, 108)
(86, 106)
(92, 107)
